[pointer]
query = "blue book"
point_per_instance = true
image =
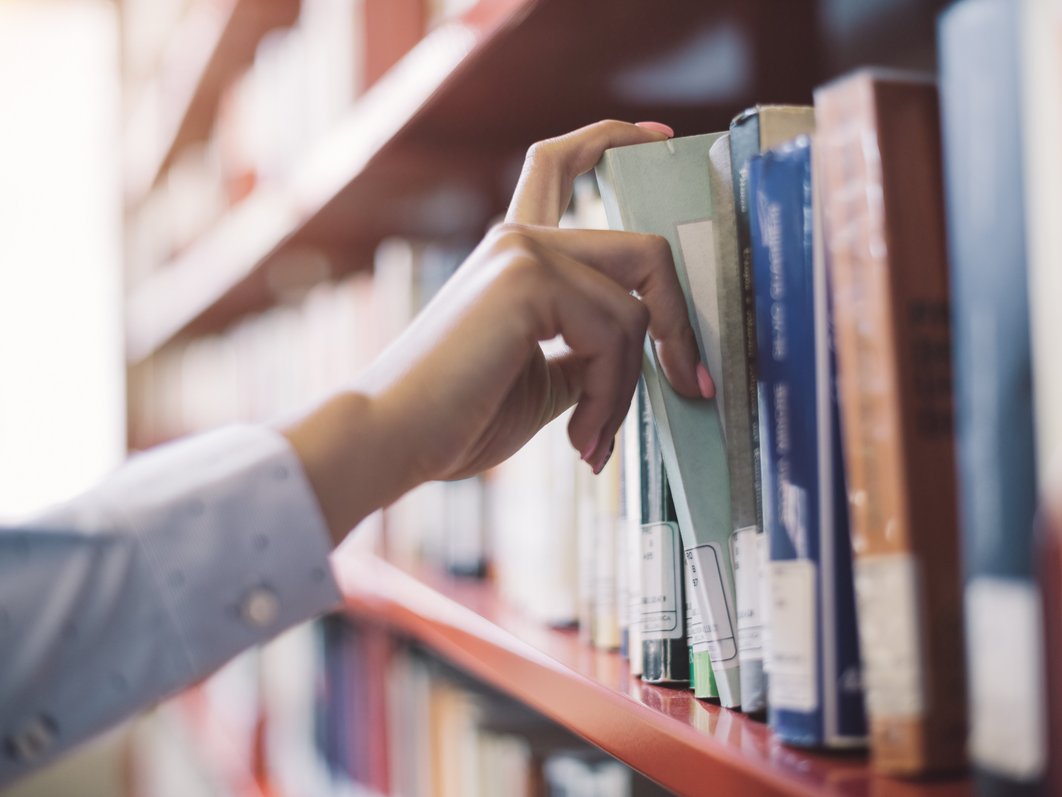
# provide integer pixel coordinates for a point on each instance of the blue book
(981, 91)
(814, 693)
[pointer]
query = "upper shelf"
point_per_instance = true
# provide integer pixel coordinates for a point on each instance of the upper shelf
(432, 150)
(213, 42)
(682, 743)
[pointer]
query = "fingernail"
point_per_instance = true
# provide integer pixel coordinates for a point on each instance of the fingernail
(704, 382)
(590, 447)
(604, 461)
(659, 127)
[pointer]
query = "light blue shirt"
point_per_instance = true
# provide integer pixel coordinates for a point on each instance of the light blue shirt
(186, 556)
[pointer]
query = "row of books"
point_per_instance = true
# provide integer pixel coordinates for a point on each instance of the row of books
(303, 80)
(395, 720)
(862, 564)
(272, 364)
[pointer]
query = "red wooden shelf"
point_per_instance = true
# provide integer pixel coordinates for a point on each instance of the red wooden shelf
(433, 149)
(214, 41)
(688, 746)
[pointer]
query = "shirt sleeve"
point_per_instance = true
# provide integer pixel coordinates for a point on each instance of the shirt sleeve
(186, 556)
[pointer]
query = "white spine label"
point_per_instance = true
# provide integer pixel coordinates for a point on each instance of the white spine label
(888, 596)
(1007, 688)
(715, 603)
(763, 585)
(794, 678)
(747, 586)
(661, 582)
(698, 640)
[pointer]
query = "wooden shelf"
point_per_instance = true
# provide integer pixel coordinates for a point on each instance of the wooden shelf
(214, 41)
(682, 743)
(433, 149)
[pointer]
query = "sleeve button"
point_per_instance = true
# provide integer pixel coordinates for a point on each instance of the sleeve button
(34, 740)
(260, 607)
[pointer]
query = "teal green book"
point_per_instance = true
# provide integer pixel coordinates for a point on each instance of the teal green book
(662, 188)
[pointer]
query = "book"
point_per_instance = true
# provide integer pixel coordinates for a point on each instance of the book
(980, 73)
(634, 472)
(661, 614)
(814, 698)
(739, 418)
(1041, 32)
(1041, 65)
(755, 130)
(665, 651)
(662, 188)
(880, 156)
(702, 684)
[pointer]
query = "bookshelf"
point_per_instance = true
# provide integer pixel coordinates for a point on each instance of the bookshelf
(665, 733)
(429, 138)
(213, 41)
(447, 128)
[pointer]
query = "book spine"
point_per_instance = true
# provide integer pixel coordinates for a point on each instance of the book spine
(882, 194)
(665, 651)
(635, 475)
(981, 116)
(744, 144)
(1041, 56)
(844, 714)
(752, 132)
(739, 418)
(785, 333)
(700, 661)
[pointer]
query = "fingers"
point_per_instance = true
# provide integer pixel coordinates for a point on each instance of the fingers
(642, 263)
(545, 186)
(604, 327)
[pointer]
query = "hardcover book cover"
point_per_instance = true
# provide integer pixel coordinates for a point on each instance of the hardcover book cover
(755, 130)
(882, 188)
(981, 116)
(662, 188)
(814, 698)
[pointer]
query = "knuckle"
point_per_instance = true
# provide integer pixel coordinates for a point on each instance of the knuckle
(512, 238)
(523, 270)
(658, 248)
(542, 152)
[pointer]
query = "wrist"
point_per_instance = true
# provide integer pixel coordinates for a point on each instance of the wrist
(352, 457)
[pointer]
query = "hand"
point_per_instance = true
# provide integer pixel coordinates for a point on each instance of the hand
(468, 384)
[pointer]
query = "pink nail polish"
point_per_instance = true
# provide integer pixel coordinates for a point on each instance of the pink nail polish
(604, 460)
(704, 382)
(659, 127)
(590, 447)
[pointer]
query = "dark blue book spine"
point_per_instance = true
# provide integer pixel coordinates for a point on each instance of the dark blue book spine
(814, 698)
(981, 87)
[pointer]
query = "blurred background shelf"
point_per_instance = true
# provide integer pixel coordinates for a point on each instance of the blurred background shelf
(433, 149)
(680, 742)
(213, 41)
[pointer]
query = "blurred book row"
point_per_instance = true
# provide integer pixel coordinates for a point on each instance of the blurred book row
(396, 719)
(347, 709)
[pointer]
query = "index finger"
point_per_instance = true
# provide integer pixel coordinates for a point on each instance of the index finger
(545, 187)
(641, 263)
